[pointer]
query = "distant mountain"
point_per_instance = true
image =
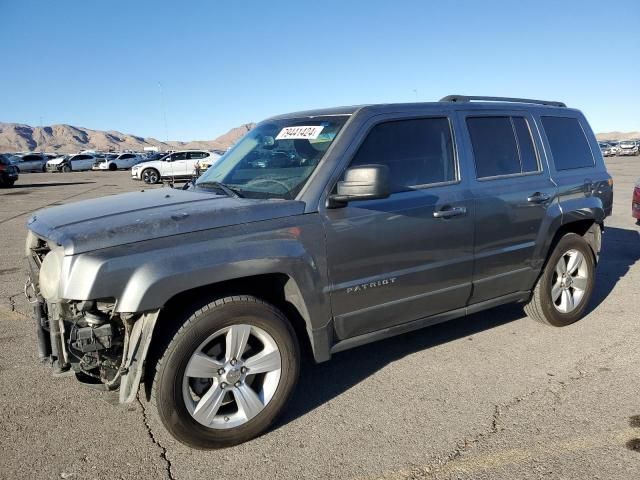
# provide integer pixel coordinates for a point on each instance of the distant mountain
(15, 137)
(618, 136)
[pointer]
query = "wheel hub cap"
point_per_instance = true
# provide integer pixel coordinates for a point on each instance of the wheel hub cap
(231, 376)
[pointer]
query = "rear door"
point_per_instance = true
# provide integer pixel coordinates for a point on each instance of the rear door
(194, 157)
(126, 160)
(409, 256)
(512, 192)
(84, 162)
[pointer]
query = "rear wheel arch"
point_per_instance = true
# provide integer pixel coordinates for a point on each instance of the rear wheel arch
(589, 229)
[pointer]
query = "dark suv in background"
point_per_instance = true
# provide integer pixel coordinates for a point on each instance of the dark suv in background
(8, 171)
(328, 228)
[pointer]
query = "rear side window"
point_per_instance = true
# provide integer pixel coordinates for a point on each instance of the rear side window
(568, 143)
(502, 146)
(417, 152)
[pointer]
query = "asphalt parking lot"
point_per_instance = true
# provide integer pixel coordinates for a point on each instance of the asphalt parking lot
(494, 395)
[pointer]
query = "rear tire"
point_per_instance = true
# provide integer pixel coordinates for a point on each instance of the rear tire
(561, 295)
(210, 402)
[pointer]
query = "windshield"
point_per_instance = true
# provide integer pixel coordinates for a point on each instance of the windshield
(275, 159)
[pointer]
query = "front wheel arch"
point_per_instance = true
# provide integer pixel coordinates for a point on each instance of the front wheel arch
(273, 288)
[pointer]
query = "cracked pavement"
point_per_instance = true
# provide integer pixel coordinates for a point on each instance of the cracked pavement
(494, 395)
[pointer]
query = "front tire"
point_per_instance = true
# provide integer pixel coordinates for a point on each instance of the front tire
(227, 373)
(113, 167)
(66, 169)
(150, 176)
(562, 294)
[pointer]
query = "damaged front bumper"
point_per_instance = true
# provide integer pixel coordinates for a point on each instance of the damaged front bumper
(104, 348)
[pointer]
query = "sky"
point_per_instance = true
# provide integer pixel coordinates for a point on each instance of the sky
(207, 66)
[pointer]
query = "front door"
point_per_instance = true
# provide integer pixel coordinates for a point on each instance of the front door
(178, 164)
(512, 192)
(408, 256)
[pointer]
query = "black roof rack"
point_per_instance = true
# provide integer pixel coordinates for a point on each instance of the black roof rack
(467, 98)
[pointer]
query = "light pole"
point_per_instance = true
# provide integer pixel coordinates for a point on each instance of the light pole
(164, 113)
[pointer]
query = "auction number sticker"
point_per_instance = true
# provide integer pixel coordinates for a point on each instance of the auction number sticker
(300, 132)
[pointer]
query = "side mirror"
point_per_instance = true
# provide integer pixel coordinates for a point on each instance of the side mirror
(365, 182)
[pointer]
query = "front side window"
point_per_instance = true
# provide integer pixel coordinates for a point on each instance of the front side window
(502, 145)
(568, 143)
(418, 152)
(275, 159)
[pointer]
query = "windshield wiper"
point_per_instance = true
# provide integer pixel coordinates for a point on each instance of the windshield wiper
(228, 191)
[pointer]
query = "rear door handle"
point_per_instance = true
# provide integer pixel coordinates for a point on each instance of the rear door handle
(538, 197)
(450, 212)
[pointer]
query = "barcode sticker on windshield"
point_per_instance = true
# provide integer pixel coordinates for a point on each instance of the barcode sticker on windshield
(293, 133)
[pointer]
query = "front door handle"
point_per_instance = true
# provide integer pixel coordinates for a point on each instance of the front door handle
(538, 197)
(447, 212)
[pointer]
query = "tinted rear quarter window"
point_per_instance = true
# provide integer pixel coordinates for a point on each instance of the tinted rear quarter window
(568, 143)
(525, 143)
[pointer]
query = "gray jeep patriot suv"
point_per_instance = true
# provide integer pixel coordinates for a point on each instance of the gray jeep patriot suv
(327, 228)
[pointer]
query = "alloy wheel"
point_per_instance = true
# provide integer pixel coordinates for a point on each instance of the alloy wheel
(570, 280)
(232, 376)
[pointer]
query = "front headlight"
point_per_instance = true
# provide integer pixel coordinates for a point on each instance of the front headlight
(49, 279)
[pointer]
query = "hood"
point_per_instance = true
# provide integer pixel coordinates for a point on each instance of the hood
(133, 217)
(150, 163)
(56, 161)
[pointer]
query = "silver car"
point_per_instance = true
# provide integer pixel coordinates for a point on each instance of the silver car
(31, 162)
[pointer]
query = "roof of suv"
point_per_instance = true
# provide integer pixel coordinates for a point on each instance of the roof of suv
(456, 101)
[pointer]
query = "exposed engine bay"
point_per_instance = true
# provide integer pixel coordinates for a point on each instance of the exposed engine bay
(104, 348)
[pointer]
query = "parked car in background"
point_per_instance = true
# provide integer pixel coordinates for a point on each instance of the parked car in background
(614, 146)
(176, 166)
(122, 161)
(606, 149)
(635, 202)
(8, 171)
(32, 162)
(72, 163)
(627, 148)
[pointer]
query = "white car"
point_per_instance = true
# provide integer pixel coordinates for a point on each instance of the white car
(30, 162)
(123, 161)
(627, 148)
(178, 165)
(69, 163)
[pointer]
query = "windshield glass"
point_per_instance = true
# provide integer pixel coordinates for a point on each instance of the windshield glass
(275, 159)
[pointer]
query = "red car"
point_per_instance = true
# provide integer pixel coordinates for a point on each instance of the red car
(635, 203)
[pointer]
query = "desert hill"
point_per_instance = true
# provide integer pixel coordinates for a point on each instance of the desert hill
(618, 136)
(15, 137)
